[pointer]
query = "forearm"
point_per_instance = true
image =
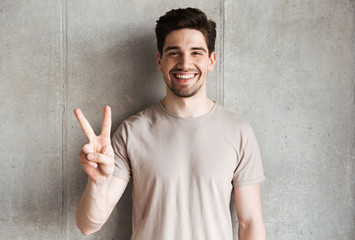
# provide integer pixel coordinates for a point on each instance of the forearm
(93, 209)
(252, 231)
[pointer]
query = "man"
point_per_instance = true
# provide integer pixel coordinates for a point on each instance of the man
(185, 154)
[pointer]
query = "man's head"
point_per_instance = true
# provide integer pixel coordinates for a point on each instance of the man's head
(191, 18)
(186, 50)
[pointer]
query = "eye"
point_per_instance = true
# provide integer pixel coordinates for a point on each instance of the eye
(196, 53)
(172, 53)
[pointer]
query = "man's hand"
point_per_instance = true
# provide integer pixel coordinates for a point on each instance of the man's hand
(97, 157)
(102, 191)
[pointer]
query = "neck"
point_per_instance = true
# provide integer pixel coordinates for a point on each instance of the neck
(190, 107)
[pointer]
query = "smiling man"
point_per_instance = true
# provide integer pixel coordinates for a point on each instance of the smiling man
(185, 154)
(185, 61)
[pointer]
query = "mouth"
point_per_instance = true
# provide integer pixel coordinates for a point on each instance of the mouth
(185, 77)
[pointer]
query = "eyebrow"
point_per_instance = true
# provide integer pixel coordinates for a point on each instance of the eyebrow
(177, 48)
(171, 48)
(199, 48)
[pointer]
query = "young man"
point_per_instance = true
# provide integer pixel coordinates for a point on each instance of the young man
(185, 153)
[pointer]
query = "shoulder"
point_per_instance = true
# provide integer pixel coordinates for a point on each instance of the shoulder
(232, 120)
(141, 120)
(146, 115)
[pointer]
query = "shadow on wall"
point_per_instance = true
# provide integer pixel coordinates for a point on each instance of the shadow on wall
(123, 218)
(130, 83)
(141, 82)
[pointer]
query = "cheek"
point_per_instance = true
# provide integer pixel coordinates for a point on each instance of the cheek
(166, 66)
(203, 67)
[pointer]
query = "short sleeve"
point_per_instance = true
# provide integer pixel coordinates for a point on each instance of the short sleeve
(122, 162)
(249, 168)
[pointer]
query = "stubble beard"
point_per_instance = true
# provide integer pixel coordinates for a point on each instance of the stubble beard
(185, 91)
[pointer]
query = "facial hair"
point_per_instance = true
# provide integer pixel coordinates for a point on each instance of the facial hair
(184, 91)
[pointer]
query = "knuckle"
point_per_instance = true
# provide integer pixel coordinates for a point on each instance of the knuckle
(86, 148)
(83, 149)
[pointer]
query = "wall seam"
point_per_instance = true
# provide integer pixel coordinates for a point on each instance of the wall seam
(223, 50)
(352, 154)
(220, 62)
(63, 220)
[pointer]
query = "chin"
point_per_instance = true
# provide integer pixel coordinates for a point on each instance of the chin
(185, 94)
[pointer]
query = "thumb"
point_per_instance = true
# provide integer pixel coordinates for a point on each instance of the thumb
(99, 158)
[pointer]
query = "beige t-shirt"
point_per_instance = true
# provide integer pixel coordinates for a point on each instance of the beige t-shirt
(184, 170)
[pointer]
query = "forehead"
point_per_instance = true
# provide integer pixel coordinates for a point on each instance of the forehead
(185, 38)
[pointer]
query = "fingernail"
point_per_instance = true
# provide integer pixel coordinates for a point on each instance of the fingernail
(91, 156)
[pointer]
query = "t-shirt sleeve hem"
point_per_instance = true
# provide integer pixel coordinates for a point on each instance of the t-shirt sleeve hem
(121, 174)
(250, 182)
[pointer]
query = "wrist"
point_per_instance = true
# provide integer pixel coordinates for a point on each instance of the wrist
(100, 184)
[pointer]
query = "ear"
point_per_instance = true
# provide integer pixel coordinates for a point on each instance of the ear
(212, 61)
(160, 67)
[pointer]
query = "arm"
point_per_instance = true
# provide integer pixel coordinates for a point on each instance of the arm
(249, 212)
(97, 203)
(103, 190)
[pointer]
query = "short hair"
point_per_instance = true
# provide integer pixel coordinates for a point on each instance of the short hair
(191, 18)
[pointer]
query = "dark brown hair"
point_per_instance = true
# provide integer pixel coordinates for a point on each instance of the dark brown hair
(192, 18)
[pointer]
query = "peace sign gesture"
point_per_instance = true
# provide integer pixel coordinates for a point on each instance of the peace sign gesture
(97, 156)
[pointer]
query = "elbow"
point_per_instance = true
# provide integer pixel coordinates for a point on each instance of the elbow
(86, 232)
(86, 229)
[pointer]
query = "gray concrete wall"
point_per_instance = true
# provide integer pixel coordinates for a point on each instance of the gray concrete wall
(285, 66)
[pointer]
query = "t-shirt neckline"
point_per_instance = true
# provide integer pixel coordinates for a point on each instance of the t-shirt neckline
(209, 113)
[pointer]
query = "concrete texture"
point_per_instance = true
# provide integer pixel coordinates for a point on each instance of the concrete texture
(289, 70)
(285, 66)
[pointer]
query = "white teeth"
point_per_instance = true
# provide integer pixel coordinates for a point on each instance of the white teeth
(185, 76)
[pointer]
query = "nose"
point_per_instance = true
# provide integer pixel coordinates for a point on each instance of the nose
(184, 62)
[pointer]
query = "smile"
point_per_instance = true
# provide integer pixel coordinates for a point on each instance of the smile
(184, 76)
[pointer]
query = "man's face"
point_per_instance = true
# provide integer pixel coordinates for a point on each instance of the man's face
(185, 62)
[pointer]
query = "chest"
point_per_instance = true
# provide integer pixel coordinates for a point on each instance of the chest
(195, 153)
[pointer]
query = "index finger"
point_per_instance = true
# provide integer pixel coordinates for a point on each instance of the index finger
(106, 123)
(85, 125)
